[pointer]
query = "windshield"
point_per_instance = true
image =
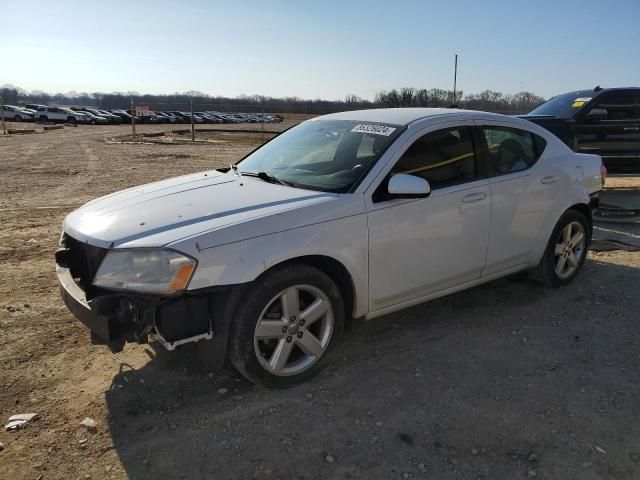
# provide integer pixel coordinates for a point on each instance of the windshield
(565, 105)
(326, 155)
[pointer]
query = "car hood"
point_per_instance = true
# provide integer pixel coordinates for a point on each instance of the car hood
(165, 212)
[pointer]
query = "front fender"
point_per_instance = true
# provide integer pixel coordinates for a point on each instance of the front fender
(345, 240)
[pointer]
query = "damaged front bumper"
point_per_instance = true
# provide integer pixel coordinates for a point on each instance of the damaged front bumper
(115, 318)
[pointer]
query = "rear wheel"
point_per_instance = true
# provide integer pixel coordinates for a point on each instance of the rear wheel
(71, 120)
(17, 118)
(566, 251)
(93, 122)
(282, 332)
(44, 118)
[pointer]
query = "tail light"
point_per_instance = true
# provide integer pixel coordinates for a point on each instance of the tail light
(603, 173)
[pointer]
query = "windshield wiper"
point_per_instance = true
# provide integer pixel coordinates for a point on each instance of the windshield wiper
(267, 177)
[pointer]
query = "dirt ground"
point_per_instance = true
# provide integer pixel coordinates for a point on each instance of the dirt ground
(504, 381)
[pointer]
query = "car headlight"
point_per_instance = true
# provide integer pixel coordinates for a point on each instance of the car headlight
(145, 270)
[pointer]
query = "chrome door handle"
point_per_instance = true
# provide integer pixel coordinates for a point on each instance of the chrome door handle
(474, 197)
(631, 129)
(549, 179)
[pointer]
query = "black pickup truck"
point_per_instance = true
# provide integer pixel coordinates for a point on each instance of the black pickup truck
(604, 121)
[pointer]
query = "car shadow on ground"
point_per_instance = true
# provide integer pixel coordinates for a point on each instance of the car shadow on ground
(494, 382)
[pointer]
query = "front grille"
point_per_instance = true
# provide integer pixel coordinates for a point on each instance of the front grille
(83, 261)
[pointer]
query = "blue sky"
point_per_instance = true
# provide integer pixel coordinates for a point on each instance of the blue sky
(318, 49)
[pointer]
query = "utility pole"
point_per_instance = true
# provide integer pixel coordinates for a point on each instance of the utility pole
(262, 123)
(133, 119)
(4, 127)
(455, 78)
(193, 124)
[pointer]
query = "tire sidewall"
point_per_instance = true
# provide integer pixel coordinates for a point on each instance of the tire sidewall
(549, 254)
(265, 288)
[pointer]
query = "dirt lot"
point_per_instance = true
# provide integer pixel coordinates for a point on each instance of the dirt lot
(504, 381)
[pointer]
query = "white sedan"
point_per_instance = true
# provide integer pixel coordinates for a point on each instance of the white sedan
(16, 114)
(350, 215)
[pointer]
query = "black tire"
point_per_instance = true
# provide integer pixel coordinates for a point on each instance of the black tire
(93, 122)
(545, 272)
(17, 118)
(44, 118)
(241, 342)
(71, 120)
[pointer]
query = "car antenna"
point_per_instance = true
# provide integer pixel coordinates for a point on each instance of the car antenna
(597, 89)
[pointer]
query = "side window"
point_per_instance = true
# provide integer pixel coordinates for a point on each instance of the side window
(443, 158)
(511, 149)
(619, 106)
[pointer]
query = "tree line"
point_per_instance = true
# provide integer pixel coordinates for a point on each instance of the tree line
(488, 100)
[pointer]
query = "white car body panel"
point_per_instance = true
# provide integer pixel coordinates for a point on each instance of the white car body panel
(398, 253)
(411, 237)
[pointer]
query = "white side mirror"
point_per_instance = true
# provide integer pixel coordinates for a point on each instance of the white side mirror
(408, 186)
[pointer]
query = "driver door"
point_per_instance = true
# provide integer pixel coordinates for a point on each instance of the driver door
(423, 246)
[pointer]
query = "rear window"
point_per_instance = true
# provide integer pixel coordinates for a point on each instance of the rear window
(564, 106)
(511, 149)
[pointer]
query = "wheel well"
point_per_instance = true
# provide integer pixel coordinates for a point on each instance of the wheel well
(586, 211)
(336, 271)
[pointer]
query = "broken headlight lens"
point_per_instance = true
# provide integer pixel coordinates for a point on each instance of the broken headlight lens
(145, 270)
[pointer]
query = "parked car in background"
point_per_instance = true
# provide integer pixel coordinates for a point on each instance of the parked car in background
(164, 117)
(180, 116)
(223, 118)
(60, 114)
(33, 106)
(603, 121)
(16, 114)
(93, 115)
(126, 118)
(114, 119)
(355, 214)
(93, 118)
(208, 118)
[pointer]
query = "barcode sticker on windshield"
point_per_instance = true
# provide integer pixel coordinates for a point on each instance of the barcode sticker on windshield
(374, 129)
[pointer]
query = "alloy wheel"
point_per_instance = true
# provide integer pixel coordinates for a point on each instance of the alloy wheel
(569, 250)
(294, 330)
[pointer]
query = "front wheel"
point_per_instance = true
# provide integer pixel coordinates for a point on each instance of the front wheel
(71, 120)
(566, 251)
(17, 118)
(283, 331)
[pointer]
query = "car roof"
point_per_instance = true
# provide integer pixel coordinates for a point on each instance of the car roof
(405, 116)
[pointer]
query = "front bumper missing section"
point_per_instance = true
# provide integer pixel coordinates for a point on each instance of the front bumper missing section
(97, 314)
(117, 318)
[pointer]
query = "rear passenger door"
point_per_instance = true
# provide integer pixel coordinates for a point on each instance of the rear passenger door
(521, 193)
(617, 137)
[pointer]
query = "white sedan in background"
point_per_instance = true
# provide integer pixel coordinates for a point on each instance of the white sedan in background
(16, 114)
(354, 214)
